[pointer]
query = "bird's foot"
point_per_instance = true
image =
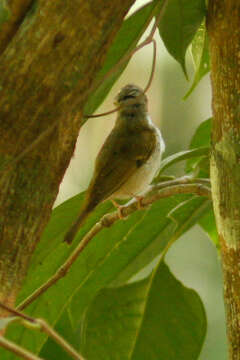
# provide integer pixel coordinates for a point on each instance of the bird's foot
(139, 199)
(119, 209)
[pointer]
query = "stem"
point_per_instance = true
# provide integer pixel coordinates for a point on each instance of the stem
(23, 353)
(43, 325)
(153, 66)
(59, 339)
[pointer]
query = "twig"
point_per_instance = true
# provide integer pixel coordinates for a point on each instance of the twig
(145, 90)
(153, 66)
(18, 350)
(59, 339)
(102, 114)
(43, 325)
(149, 39)
(17, 313)
(183, 180)
(156, 192)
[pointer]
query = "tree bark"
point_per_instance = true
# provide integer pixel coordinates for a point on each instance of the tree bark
(46, 72)
(224, 33)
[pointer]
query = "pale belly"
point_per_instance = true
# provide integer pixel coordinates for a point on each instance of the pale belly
(139, 182)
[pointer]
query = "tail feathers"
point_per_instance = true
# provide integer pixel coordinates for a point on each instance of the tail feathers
(70, 235)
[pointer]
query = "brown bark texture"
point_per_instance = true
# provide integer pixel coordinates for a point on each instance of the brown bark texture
(46, 72)
(224, 33)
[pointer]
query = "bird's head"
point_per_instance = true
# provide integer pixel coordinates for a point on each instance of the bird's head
(131, 96)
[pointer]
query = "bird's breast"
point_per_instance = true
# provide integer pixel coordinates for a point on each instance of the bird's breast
(139, 182)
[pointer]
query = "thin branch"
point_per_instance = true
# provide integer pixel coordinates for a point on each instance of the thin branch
(18, 350)
(59, 339)
(183, 180)
(17, 313)
(43, 325)
(153, 66)
(149, 39)
(156, 192)
(103, 114)
(145, 90)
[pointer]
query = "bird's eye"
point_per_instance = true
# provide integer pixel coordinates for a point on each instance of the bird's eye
(128, 97)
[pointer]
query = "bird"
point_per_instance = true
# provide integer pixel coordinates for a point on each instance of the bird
(129, 158)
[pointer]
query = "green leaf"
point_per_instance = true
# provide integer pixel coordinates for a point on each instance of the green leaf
(113, 256)
(208, 224)
(189, 212)
(4, 12)
(64, 328)
(178, 26)
(157, 318)
(200, 56)
(125, 41)
(104, 254)
(180, 156)
(4, 322)
(184, 215)
(201, 138)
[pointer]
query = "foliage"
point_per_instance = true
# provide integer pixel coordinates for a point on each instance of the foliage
(97, 306)
(4, 12)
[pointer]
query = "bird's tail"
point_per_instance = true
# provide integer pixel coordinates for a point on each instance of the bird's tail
(70, 235)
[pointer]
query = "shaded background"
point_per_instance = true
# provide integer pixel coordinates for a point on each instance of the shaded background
(193, 258)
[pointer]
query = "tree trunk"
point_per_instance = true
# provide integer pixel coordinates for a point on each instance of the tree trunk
(46, 72)
(224, 33)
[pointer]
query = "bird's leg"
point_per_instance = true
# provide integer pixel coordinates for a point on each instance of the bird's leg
(119, 208)
(139, 199)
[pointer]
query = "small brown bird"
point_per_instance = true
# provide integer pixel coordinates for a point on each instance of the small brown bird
(128, 159)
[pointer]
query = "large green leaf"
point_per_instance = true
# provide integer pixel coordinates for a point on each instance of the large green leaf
(201, 138)
(125, 41)
(157, 318)
(188, 213)
(180, 156)
(208, 223)
(113, 256)
(200, 56)
(5, 12)
(52, 350)
(152, 238)
(52, 252)
(178, 26)
(4, 322)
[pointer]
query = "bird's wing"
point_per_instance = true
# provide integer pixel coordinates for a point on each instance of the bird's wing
(121, 155)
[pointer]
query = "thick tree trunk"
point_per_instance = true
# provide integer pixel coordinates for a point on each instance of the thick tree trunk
(224, 34)
(46, 72)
